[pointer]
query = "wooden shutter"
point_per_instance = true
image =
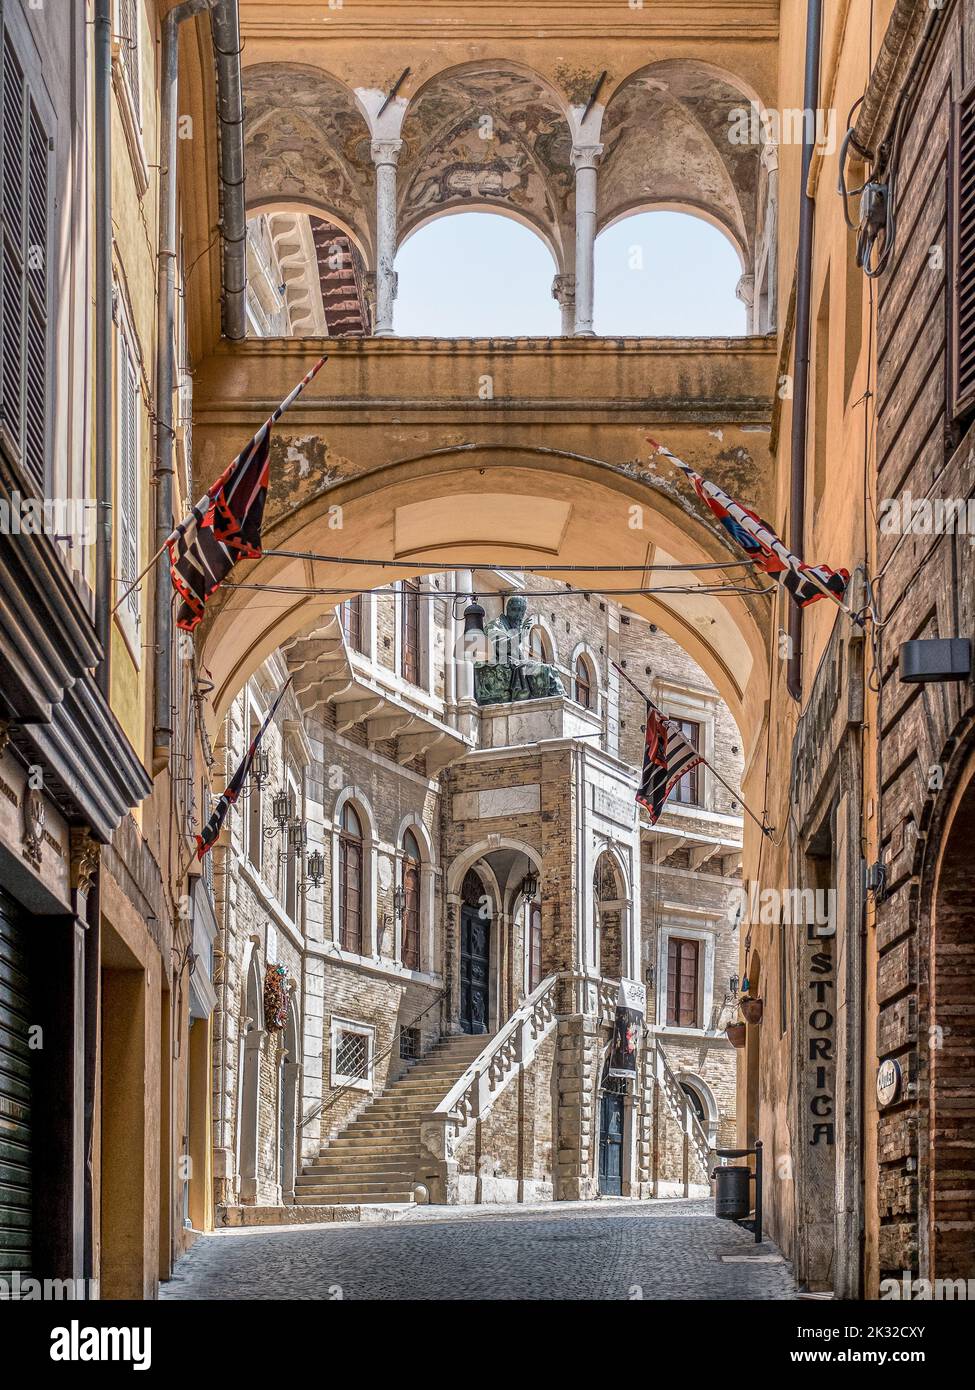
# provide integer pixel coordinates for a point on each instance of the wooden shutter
(410, 631)
(24, 277)
(682, 963)
(128, 483)
(963, 256)
(350, 904)
(411, 915)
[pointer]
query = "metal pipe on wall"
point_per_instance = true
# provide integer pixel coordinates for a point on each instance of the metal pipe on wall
(800, 385)
(225, 22)
(104, 593)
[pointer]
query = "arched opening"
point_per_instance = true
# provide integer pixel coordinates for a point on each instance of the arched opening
(951, 1038)
(351, 887)
(475, 954)
(475, 274)
(609, 908)
(410, 946)
(584, 688)
(667, 274)
(306, 276)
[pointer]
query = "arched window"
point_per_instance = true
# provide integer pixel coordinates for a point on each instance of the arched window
(350, 881)
(534, 946)
(583, 683)
(540, 646)
(697, 1104)
(411, 902)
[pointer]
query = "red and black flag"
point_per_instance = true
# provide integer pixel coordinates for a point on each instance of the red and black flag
(225, 525)
(666, 758)
(233, 789)
(806, 583)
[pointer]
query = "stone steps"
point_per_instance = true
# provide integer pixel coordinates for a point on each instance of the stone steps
(375, 1158)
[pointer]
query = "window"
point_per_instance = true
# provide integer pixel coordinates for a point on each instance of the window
(410, 631)
(682, 975)
(411, 902)
(539, 646)
(351, 612)
(128, 41)
(24, 280)
(350, 882)
(534, 947)
(409, 1044)
(583, 682)
(697, 1104)
(255, 810)
(352, 1049)
(128, 420)
(688, 789)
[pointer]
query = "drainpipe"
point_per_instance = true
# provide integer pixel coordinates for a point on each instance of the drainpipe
(223, 15)
(225, 23)
(800, 387)
(104, 591)
(165, 374)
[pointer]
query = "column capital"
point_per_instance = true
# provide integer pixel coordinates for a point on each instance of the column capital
(586, 156)
(386, 151)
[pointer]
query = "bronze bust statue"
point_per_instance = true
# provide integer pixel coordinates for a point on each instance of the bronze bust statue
(512, 674)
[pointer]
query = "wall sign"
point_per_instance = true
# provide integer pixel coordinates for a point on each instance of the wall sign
(888, 1081)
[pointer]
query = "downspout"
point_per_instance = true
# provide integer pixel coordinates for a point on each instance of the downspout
(233, 213)
(226, 42)
(104, 591)
(800, 390)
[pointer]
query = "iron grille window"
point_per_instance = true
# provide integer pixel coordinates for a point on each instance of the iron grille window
(409, 1044)
(24, 280)
(410, 631)
(688, 789)
(682, 975)
(350, 882)
(128, 38)
(352, 1055)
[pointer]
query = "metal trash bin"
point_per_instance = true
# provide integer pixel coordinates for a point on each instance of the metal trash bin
(732, 1199)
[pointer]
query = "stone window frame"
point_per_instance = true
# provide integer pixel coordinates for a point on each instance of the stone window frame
(706, 936)
(370, 874)
(425, 639)
(584, 651)
(338, 1025)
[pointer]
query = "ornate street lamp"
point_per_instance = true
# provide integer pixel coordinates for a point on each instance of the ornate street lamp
(399, 902)
(315, 869)
(529, 886)
(261, 768)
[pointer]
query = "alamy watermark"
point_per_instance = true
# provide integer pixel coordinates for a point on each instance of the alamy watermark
(756, 125)
(63, 518)
(814, 908)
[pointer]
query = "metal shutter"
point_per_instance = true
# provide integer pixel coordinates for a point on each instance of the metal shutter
(11, 239)
(15, 1096)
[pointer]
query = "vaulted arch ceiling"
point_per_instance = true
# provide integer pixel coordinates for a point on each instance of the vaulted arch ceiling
(307, 142)
(667, 139)
(488, 135)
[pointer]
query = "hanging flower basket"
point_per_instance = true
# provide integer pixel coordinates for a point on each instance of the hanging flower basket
(275, 999)
(753, 1009)
(735, 1033)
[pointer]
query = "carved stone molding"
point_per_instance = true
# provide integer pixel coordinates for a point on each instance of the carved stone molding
(33, 838)
(84, 859)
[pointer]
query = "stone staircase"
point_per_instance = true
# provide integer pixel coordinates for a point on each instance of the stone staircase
(375, 1159)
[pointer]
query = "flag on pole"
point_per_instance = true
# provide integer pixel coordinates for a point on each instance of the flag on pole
(806, 583)
(667, 757)
(211, 831)
(225, 525)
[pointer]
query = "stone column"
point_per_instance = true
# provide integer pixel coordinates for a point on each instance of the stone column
(564, 290)
(585, 159)
(385, 153)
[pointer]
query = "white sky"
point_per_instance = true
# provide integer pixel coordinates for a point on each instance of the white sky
(472, 274)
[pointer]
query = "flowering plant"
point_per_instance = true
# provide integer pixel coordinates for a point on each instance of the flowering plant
(275, 999)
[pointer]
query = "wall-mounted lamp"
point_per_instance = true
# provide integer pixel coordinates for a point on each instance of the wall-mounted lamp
(529, 886)
(399, 902)
(261, 767)
(315, 869)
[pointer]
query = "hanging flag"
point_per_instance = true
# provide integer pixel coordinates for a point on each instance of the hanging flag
(667, 757)
(631, 1006)
(211, 831)
(806, 583)
(225, 525)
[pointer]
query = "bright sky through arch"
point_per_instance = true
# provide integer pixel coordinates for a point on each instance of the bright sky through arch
(477, 274)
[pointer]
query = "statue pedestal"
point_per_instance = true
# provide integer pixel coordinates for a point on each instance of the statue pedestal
(506, 724)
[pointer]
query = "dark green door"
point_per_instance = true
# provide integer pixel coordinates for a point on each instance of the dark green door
(15, 1095)
(611, 1144)
(475, 968)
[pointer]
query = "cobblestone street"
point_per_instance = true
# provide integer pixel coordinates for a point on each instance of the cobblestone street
(605, 1250)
